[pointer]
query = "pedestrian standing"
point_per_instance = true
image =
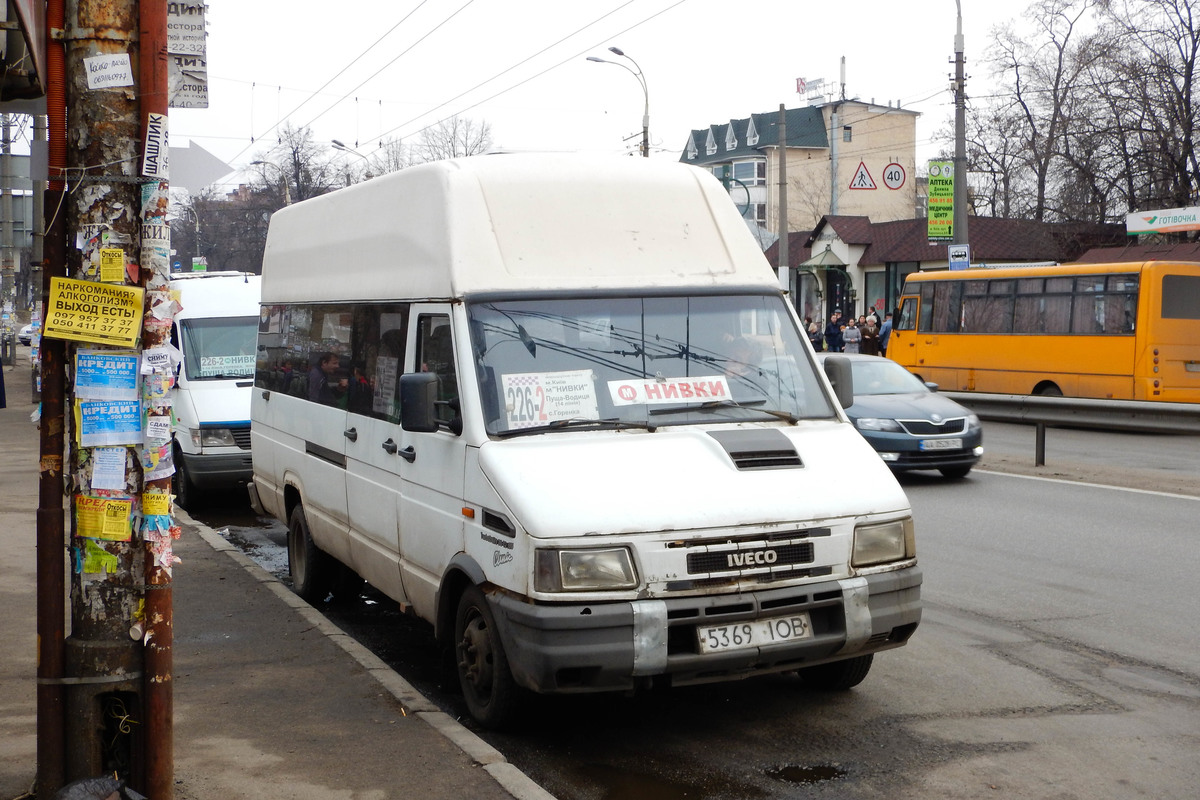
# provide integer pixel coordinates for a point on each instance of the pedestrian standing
(851, 337)
(833, 333)
(870, 339)
(885, 333)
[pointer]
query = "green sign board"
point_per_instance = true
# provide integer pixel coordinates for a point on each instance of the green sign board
(941, 201)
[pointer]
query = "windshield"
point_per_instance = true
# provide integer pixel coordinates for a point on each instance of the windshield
(219, 348)
(644, 361)
(883, 376)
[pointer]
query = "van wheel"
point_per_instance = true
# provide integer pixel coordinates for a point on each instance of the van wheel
(839, 675)
(954, 473)
(312, 570)
(186, 493)
(483, 673)
(1048, 390)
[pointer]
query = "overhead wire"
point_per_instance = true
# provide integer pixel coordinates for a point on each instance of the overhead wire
(531, 77)
(339, 73)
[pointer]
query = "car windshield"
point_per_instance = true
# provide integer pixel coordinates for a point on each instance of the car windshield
(883, 376)
(648, 362)
(219, 348)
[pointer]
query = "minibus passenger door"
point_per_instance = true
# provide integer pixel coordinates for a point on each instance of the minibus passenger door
(904, 332)
(431, 488)
(373, 458)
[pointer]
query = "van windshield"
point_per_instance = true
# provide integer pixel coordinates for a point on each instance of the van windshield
(218, 348)
(558, 363)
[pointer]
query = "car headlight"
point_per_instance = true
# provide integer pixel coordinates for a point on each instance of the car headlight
(215, 437)
(875, 424)
(972, 421)
(878, 544)
(584, 570)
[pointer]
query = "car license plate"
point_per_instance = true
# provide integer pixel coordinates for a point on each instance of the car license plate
(758, 633)
(941, 444)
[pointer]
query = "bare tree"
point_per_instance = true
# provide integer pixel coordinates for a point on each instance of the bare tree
(452, 138)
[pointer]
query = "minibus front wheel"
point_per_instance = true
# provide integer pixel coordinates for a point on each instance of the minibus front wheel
(483, 673)
(837, 676)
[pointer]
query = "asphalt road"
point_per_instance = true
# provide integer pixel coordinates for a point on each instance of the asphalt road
(1056, 657)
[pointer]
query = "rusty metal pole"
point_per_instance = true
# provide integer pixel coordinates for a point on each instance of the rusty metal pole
(51, 527)
(104, 714)
(155, 275)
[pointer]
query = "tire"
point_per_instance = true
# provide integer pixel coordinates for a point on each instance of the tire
(954, 473)
(1049, 390)
(312, 571)
(483, 673)
(837, 676)
(186, 493)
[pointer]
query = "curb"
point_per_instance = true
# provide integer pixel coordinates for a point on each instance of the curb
(511, 779)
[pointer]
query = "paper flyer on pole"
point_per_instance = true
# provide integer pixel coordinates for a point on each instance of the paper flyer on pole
(106, 375)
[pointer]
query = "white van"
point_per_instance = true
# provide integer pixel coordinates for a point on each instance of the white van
(559, 407)
(216, 331)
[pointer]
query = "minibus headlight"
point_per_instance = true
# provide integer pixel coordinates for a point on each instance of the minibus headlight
(877, 424)
(216, 437)
(583, 570)
(878, 544)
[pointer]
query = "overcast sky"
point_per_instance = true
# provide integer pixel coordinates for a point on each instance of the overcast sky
(362, 70)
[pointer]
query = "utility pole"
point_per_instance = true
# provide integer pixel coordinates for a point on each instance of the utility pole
(7, 251)
(784, 255)
(961, 195)
(108, 313)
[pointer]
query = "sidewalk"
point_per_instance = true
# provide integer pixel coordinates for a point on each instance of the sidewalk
(270, 699)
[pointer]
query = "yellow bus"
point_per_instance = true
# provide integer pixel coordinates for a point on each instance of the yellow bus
(1126, 331)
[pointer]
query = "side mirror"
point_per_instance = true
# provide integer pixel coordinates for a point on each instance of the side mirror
(418, 401)
(931, 386)
(837, 369)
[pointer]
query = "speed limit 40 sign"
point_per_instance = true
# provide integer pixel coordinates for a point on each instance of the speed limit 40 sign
(893, 176)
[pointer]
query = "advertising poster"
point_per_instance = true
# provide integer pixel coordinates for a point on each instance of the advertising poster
(106, 375)
(102, 423)
(87, 311)
(103, 518)
(941, 201)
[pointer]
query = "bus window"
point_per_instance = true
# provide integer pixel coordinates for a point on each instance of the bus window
(908, 314)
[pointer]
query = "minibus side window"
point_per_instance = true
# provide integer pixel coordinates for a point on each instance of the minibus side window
(435, 353)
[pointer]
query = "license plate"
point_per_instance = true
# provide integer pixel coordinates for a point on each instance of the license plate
(1192, 366)
(759, 633)
(941, 444)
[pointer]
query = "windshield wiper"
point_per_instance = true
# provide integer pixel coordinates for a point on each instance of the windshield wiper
(612, 423)
(713, 405)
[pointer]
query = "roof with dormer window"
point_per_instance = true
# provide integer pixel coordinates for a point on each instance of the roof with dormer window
(805, 128)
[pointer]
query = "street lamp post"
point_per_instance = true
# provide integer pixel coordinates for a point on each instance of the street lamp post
(347, 149)
(637, 73)
(287, 192)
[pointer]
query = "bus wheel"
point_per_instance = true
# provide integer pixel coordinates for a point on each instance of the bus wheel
(483, 673)
(1048, 390)
(838, 675)
(312, 570)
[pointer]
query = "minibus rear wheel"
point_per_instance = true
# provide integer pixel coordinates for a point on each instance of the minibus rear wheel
(312, 570)
(483, 672)
(838, 675)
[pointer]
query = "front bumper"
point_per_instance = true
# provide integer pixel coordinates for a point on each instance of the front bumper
(619, 646)
(218, 470)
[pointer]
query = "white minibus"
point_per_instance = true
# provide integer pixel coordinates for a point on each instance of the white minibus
(559, 407)
(216, 330)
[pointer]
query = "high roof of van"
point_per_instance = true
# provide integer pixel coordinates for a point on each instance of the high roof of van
(217, 294)
(513, 222)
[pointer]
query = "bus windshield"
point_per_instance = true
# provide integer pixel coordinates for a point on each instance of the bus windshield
(219, 348)
(546, 364)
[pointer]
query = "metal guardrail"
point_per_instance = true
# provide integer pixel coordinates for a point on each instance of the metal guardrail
(1141, 416)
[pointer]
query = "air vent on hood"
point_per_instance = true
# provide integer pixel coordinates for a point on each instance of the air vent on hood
(759, 448)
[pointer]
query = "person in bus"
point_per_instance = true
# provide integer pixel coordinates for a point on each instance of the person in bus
(833, 333)
(851, 337)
